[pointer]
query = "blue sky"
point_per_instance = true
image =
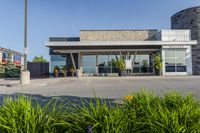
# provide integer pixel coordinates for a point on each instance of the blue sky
(66, 17)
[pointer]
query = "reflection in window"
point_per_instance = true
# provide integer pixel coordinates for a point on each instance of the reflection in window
(175, 60)
(106, 64)
(143, 63)
(89, 64)
(57, 60)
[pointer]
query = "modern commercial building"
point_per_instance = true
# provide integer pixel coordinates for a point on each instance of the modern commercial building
(13, 56)
(94, 52)
(190, 19)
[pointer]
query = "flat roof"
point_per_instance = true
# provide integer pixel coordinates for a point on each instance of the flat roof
(9, 50)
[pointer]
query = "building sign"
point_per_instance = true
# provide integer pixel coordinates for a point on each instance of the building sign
(128, 64)
(174, 46)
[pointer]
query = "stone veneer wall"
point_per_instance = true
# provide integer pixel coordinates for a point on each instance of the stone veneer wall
(117, 35)
(190, 19)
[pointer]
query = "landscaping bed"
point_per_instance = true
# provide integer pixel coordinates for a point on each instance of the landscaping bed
(139, 112)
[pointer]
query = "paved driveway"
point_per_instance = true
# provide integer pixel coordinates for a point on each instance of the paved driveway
(104, 87)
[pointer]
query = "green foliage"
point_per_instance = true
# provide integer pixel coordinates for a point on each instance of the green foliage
(11, 70)
(140, 112)
(2, 70)
(71, 69)
(145, 63)
(158, 62)
(121, 64)
(39, 59)
(18, 115)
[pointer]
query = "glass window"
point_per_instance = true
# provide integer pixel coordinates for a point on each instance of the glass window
(57, 60)
(17, 57)
(175, 60)
(89, 63)
(106, 63)
(5, 56)
(143, 63)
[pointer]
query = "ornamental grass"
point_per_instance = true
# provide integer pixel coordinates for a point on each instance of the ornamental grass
(172, 112)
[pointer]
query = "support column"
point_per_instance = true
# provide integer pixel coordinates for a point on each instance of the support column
(97, 68)
(79, 71)
(73, 62)
(133, 63)
(189, 61)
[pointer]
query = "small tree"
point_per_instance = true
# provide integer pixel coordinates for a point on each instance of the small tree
(39, 59)
(158, 64)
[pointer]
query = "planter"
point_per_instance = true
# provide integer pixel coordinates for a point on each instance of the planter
(158, 72)
(56, 75)
(78, 73)
(72, 74)
(65, 74)
(121, 73)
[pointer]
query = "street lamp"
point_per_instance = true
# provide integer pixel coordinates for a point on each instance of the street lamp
(25, 74)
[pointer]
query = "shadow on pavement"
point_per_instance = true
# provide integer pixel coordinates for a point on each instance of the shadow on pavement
(42, 100)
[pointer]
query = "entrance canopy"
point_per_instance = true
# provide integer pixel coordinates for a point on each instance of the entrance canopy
(109, 46)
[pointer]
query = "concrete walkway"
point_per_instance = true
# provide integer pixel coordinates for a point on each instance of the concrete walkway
(104, 87)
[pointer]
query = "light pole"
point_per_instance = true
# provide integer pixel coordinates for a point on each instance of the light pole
(25, 74)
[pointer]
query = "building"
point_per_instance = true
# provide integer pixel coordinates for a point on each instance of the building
(190, 19)
(13, 56)
(94, 52)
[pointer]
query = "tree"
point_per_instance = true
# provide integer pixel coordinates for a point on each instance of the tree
(39, 59)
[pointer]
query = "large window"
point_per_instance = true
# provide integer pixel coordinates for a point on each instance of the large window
(5, 56)
(57, 60)
(175, 60)
(89, 63)
(106, 64)
(143, 63)
(17, 58)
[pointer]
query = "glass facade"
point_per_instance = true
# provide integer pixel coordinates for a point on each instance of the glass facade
(143, 63)
(175, 60)
(89, 63)
(57, 60)
(106, 63)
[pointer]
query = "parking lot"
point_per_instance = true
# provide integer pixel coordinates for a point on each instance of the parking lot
(103, 87)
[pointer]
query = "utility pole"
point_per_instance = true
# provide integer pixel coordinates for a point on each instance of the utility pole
(25, 35)
(25, 74)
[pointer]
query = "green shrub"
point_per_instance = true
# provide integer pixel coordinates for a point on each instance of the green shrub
(140, 112)
(172, 113)
(22, 115)
(2, 71)
(11, 70)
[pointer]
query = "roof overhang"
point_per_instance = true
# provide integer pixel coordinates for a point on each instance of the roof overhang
(119, 43)
(106, 46)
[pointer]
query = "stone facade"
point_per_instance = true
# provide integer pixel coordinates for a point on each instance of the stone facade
(117, 35)
(190, 19)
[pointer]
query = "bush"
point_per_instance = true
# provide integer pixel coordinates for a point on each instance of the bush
(22, 115)
(140, 112)
(11, 70)
(2, 71)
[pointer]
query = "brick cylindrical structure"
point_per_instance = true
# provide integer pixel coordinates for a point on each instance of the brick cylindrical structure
(190, 19)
